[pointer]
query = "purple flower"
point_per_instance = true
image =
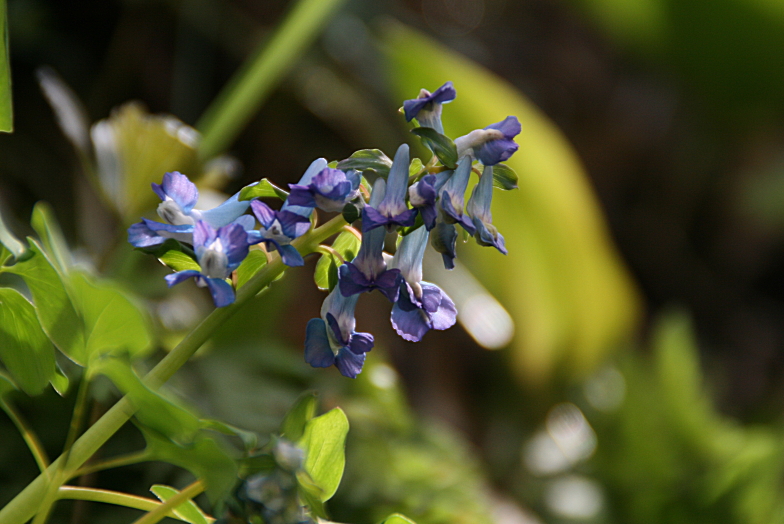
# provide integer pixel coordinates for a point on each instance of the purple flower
(479, 209)
(422, 196)
(331, 339)
(178, 196)
(452, 197)
(316, 167)
(368, 270)
(392, 210)
(427, 107)
(444, 241)
(491, 145)
(219, 252)
(329, 190)
(279, 228)
(421, 306)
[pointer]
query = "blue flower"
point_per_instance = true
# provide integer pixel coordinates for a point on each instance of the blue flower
(392, 210)
(491, 145)
(452, 197)
(316, 167)
(178, 196)
(279, 228)
(444, 241)
(368, 270)
(330, 190)
(421, 306)
(422, 196)
(219, 252)
(479, 209)
(331, 339)
(427, 107)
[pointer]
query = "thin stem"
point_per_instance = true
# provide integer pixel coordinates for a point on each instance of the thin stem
(111, 497)
(329, 251)
(243, 95)
(164, 509)
(24, 506)
(116, 462)
(38, 451)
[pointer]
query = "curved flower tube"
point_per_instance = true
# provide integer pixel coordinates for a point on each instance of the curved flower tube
(426, 108)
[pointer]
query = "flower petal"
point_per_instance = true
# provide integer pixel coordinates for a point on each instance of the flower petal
(264, 214)
(181, 276)
(180, 189)
(349, 363)
(318, 352)
(227, 212)
(411, 325)
(222, 292)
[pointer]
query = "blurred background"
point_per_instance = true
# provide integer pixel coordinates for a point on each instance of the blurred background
(623, 364)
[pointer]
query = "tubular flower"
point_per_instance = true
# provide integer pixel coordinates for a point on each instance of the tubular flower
(452, 197)
(368, 270)
(392, 210)
(426, 108)
(421, 306)
(422, 196)
(279, 228)
(329, 190)
(178, 196)
(316, 167)
(331, 339)
(491, 145)
(479, 209)
(219, 252)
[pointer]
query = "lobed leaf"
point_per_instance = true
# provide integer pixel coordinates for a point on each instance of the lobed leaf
(187, 511)
(174, 255)
(397, 518)
(415, 167)
(252, 264)
(45, 224)
(263, 189)
(324, 443)
(250, 440)
(25, 350)
(326, 274)
(441, 145)
(504, 177)
(367, 159)
(293, 425)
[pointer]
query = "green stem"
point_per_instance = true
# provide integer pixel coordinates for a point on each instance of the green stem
(27, 434)
(163, 510)
(111, 497)
(25, 505)
(243, 95)
(115, 462)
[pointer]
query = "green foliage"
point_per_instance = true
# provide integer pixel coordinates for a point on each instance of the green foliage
(367, 160)
(397, 518)
(293, 425)
(324, 442)
(346, 245)
(504, 177)
(250, 440)
(415, 167)
(174, 255)
(9, 241)
(188, 511)
(6, 105)
(56, 313)
(442, 146)
(350, 213)
(263, 189)
(25, 350)
(45, 224)
(252, 264)
(113, 323)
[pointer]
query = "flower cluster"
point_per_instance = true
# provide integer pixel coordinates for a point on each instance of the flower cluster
(421, 202)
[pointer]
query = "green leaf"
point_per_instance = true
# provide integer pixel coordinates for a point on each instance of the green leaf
(6, 106)
(504, 177)
(174, 255)
(442, 146)
(250, 440)
(56, 313)
(350, 213)
(45, 224)
(367, 159)
(293, 425)
(6, 384)
(324, 443)
(60, 381)
(111, 319)
(25, 349)
(255, 260)
(309, 497)
(204, 458)
(9, 240)
(415, 167)
(187, 511)
(326, 273)
(397, 518)
(263, 189)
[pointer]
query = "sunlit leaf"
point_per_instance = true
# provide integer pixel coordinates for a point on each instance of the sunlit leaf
(309, 493)
(293, 426)
(255, 260)
(442, 146)
(112, 321)
(174, 255)
(367, 159)
(250, 440)
(7, 239)
(6, 384)
(397, 518)
(350, 213)
(346, 245)
(45, 224)
(504, 177)
(563, 282)
(324, 443)
(6, 106)
(187, 511)
(60, 381)
(55, 311)
(415, 167)
(263, 189)
(25, 350)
